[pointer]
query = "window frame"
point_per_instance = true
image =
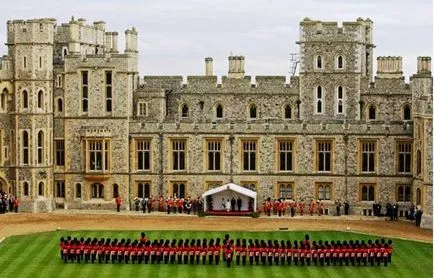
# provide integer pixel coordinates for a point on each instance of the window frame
(141, 186)
(84, 92)
(40, 147)
(289, 188)
(213, 153)
(369, 110)
(404, 115)
(406, 193)
(285, 107)
(319, 89)
(340, 99)
(371, 188)
(105, 154)
(25, 140)
(254, 141)
(178, 191)
(404, 148)
(140, 105)
(292, 152)
(318, 152)
(184, 111)
(143, 150)
(179, 157)
(108, 81)
(321, 192)
(97, 190)
(252, 108)
(342, 67)
(375, 154)
(319, 62)
(217, 114)
(60, 189)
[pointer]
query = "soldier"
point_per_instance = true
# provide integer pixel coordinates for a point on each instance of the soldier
(228, 255)
(288, 252)
(338, 208)
(179, 251)
(127, 251)
(16, 204)
(210, 251)
(239, 203)
(276, 252)
(301, 207)
(133, 251)
(137, 203)
(257, 251)
(270, 253)
(198, 251)
(293, 206)
(346, 207)
(172, 251)
(86, 250)
(185, 251)
(204, 251)
(319, 207)
(191, 251)
(145, 202)
(244, 251)
(118, 203)
(237, 250)
(311, 207)
(166, 250)
(188, 206)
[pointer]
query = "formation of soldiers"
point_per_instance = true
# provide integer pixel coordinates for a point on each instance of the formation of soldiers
(169, 205)
(8, 203)
(282, 207)
(252, 252)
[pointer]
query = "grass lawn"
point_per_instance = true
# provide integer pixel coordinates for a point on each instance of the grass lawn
(37, 255)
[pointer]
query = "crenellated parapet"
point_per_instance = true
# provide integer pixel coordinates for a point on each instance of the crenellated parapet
(389, 67)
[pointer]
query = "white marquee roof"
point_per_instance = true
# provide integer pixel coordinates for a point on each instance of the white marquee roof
(233, 187)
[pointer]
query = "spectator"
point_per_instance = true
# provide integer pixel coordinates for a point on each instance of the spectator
(346, 207)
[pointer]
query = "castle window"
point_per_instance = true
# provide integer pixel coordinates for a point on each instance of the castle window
(40, 99)
(404, 193)
(25, 100)
(41, 27)
(324, 155)
(178, 155)
(219, 111)
(108, 91)
(372, 113)
(59, 105)
(3, 100)
(340, 100)
(418, 162)
(143, 190)
(60, 189)
(97, 191)
(286, 155)
(285, 190)
(288, 112)
(323, 191)
(25, 62)
(143, 154)
(368, 154)
(78, 190)
(40, 147)
(368, 192)
(319, 99)
(84, 91)
(404, 157)
(41, 189)
(25, 147)
(98, 155)
(59, 81)
(214, 155)
(184, 111)
(142, 109)
(115, 190)
(318, 62)
(64, 52)
(252, 111)
(340, 62)
(249, 155)
(249, 185)
(25, 189)
(60, 152)
(178, 189)
(406, 113)
(40, 62)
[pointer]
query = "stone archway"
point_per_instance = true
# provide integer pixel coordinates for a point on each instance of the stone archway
(4, 186)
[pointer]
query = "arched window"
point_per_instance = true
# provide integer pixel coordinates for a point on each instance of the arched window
(418, 162)
(41, 189)
(288, 112)
(25, 100)
(372, 113)
(64, 52)
(406, 113)
(371, 193)
(115, 190)
(340, 100)
(184, 111)
(25, 189)
(219, 111)
(418, 197)
(252, 111)
(318, 62)
(25, 147)
(97, 191)
(179, 190)
(407, 194)
(40, 147)
(319, 99)
(40, 99)
(59, 105)
(143, 190)
(3, 100)
(368, 192)
(77, 190)
(340, 62)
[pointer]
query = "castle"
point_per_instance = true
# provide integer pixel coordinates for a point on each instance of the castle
(79, 126)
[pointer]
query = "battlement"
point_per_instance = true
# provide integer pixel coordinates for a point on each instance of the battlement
(325, 31)
(389, 67)
(424, 65)
(34, 31)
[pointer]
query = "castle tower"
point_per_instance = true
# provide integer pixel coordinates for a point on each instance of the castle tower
(421, 85)
(31, 49)
(330, 65)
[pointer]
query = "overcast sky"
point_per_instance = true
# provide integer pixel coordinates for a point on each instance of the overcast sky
(176, 35)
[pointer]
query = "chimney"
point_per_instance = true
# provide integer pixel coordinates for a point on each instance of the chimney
(389, 67)
(424, 65)
(108, 42)
(81, 21)
(115, 42)
(131, 40)
(208, 66)
(236, 67)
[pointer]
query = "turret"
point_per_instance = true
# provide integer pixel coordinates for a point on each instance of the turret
(389, 67)
(236, 67)
(131, 40)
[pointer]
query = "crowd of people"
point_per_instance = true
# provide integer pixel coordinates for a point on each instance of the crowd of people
(169, 205)
(283, 207)
(8, 203)
(243, 251)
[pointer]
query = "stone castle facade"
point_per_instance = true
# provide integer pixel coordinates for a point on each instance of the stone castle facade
(79, 126)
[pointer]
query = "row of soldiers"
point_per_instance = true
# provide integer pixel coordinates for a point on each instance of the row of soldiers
(170, 205)
(254, 252)
(285, 206)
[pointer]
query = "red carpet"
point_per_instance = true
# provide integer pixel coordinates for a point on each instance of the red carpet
(230, 213)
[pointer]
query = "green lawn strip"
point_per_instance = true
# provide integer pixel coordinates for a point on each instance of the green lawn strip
(27, 252)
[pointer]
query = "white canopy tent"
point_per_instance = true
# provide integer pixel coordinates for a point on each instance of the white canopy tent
(226, 192)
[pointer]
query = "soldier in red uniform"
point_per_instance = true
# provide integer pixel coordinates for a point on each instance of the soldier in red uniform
(217, 249)
(288, 250)
(179, 251)
(268, 207)
(244, 251)
(198, 251)
(270, 253)
(133, 251)
(127, 251)
(386, 254)
(185, 251)
(263, 252)
(301, 207)
(228, 255)
(319, 208)
(166, 250)
(276, 252)
(311, 207)
(118, 203)
(257, 251)
(204, 251)
(237, 249)
(143, 238)
(86, 250)
(172, 251)
(191, 250)
(210, 251)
